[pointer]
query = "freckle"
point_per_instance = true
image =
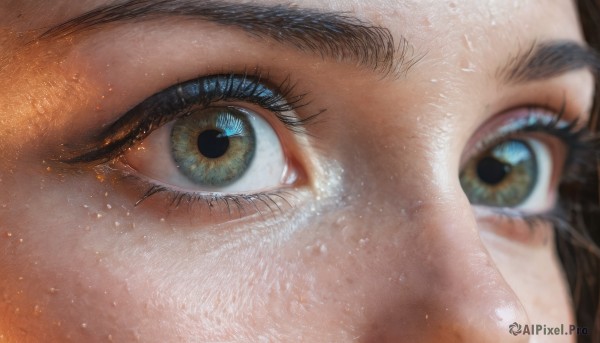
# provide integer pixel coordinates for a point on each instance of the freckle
(37, 310)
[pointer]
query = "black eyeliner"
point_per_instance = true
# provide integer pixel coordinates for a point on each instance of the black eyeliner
(179, 100)
(580, 142)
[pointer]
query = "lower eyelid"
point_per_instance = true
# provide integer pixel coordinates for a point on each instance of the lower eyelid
(514, 227)
(160, 203)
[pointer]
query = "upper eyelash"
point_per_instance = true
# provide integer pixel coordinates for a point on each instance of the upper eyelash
(176, 102)
(581, 144)
(580, 141)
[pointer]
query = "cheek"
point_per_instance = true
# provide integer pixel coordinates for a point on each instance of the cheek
(535, 274)
(62, 282)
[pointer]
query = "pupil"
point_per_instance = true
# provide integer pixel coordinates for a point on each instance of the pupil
(492, 171)
(212, 143)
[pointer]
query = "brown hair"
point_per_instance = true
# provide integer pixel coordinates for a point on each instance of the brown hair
(577, 240)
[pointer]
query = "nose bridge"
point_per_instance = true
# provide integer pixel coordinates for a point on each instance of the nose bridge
(467, 298)
(451, 290)
(428, 278)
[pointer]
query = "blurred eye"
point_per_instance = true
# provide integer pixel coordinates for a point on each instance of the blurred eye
(519, 159)
(513, 173)
(216, 149)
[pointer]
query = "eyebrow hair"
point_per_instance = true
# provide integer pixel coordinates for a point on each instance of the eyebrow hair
(334, 35)
(549, 59)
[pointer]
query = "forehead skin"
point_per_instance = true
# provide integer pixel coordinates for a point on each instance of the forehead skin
(435, 30)
(329, 281)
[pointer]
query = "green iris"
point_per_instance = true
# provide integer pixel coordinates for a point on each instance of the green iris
(213, 147)
(503, 176)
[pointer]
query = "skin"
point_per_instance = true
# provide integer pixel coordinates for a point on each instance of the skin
(379, 243)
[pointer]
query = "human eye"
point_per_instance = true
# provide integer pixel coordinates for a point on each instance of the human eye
(518, 160)
(218, 139)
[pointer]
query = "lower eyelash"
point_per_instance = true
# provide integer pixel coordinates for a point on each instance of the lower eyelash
(262, 203)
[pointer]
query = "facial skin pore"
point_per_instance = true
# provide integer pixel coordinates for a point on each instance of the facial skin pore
(378, 243)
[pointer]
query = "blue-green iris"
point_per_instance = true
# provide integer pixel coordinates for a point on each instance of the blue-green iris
(213, 147)
(503, 176)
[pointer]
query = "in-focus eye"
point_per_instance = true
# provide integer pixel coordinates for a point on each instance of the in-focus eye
(224, 137)
(214, 149)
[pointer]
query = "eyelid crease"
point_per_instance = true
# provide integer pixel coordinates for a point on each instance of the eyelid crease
(177, 101)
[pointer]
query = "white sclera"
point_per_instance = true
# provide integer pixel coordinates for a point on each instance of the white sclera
(153, 159)
(539, 199)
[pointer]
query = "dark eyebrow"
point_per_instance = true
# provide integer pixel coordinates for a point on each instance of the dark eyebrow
(333, 35)
(549, 59)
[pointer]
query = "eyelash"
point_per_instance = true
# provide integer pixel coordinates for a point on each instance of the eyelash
(174, 103)
(159, 109)
(580, 145)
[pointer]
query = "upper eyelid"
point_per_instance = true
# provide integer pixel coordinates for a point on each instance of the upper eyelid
(578, 140)
(176, 100)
